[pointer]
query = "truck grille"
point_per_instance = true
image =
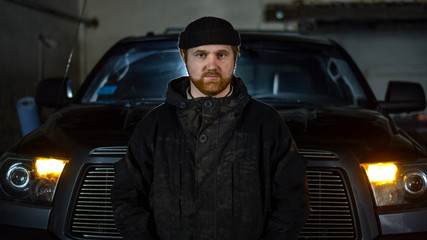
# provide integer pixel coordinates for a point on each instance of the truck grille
(331, 215)
(93, 213)
(109, 151)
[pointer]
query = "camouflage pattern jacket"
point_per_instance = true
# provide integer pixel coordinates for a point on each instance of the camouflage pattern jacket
(210, 168)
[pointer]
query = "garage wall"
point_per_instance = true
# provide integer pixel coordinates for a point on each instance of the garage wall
(396, 54)
(24, 59)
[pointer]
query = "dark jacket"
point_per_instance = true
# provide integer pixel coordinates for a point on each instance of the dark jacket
(210, 168)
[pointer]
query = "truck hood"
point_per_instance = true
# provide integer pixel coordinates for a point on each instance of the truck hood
(80, 126)
(369, 134)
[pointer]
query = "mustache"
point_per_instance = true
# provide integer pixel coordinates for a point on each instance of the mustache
(211, 73)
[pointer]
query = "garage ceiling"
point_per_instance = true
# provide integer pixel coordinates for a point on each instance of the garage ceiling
(391, 13)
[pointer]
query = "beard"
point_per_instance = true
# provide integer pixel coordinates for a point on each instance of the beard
(211, 87)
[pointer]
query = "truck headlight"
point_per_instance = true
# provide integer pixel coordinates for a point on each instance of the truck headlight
(18, 177)
(381, 172)
(415, 183)
(30, 180)
(396, 184)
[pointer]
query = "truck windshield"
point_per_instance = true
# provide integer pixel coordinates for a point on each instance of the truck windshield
(277, 76)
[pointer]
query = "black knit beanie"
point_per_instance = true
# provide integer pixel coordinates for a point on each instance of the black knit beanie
(208, 30)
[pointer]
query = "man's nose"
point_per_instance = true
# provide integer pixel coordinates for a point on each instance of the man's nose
(212, 63)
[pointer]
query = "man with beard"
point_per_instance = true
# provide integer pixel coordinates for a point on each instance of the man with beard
(211, 162)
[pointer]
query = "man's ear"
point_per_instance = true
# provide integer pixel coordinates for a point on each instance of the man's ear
(181, 52)
(237, 54)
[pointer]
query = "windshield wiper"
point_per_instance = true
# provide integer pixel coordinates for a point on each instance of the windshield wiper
(142, 101)
(278, 102)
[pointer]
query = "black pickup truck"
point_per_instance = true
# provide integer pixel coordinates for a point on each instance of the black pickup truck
(367, 178)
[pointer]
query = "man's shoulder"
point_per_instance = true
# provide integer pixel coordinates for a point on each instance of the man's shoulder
(160, 111)
(258, 114)
(261, 116)
(160, 114)
(261, 109)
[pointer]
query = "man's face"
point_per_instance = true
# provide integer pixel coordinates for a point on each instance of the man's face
(210, 68)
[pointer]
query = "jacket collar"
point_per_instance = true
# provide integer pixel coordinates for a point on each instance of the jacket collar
(216, 117)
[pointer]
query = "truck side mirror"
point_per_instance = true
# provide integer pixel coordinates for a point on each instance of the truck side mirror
(54, 92)
(404, 97)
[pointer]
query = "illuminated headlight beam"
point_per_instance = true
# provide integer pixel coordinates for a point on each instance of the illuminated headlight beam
(381, 172)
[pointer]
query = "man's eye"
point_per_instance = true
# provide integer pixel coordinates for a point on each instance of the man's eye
(200, 55)
(222, 55)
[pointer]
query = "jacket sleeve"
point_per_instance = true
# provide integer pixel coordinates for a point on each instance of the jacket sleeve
(289, 194)
(130, 194)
